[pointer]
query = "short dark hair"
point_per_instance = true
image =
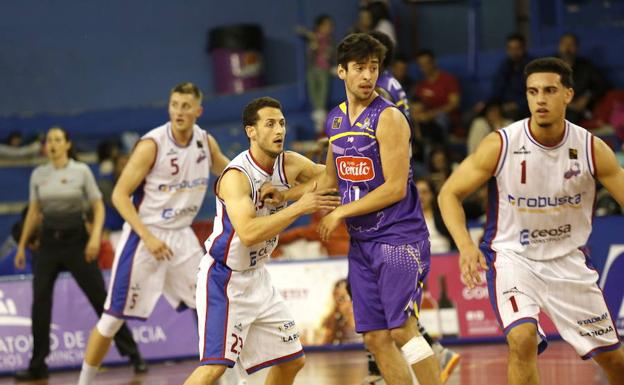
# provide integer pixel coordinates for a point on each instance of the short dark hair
(572, 36)
(359, 46)
(189, 89)
(320, 19)
(387, 42)
(400, 57)
(551, 65)
(425, 52)
(250, 113)
(516, 37)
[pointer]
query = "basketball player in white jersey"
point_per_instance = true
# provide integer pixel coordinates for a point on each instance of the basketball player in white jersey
(241, 315)
(158, 253)
(542, 187)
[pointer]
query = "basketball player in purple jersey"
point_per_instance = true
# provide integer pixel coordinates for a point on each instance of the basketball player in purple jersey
(390, 88)
(389, 253)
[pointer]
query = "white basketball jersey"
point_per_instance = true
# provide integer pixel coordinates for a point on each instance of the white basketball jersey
(174, 189)
(541, 198)
(224, 245)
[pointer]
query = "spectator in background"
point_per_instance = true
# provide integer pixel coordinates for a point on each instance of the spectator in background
(107, 151)
(364, 23)
(490, 119)
(58, 191)
(439, 166)
(320, 62)
(509, 84)
(14, 139)
(114, 221)
(429, 131)
(9, 249)
(439, 237)
(589, 84)
(439, 93)
(399, 70)
(338, 326)
(13, 148)
(381, 19)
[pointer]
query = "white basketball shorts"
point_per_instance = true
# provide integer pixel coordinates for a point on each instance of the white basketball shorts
(138, 279)
(242, 316)
(565, 289)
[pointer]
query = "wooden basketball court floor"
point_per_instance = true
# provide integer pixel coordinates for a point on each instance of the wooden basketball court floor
(480, 365)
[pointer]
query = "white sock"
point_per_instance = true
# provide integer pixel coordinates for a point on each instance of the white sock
(87, 374)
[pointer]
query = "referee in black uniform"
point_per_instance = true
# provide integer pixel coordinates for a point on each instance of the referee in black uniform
(58, 193)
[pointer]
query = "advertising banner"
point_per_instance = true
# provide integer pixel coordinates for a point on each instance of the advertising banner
(314, 290)
(166, 334)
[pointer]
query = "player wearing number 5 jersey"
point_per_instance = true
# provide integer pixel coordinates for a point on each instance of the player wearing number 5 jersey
(167, 176)
(542, 189)
(241, 315)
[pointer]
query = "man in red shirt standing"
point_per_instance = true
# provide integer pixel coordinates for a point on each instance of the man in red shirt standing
(439, 97)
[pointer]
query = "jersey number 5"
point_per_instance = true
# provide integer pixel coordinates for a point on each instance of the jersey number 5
(174, 166)
(523, 172)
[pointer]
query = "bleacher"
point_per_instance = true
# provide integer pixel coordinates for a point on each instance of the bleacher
(599, 40)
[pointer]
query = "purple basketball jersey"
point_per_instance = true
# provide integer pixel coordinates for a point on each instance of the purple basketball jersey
(391, 85)
(358, 165)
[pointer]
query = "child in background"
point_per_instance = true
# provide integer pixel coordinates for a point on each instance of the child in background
(320, 63)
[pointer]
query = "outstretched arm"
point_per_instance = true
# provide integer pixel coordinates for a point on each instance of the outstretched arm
(307, 174)
(473, 172)
(219, 161)
(235, 190)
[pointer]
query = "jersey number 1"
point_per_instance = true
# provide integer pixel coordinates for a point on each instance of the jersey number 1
(356, 193)
(523, 172)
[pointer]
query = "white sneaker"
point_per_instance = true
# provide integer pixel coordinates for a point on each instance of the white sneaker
(373, 380)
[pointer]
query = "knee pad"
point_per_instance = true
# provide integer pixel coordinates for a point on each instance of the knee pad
(108, 325)
(416, 350)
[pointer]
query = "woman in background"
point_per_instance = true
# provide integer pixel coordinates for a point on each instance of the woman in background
(58, 193)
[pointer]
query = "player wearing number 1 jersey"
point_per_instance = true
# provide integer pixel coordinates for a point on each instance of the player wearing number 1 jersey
(167, 176)
(542, 189)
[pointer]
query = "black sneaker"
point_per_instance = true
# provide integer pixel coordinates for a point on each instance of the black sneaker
(31, 375)
(139, 365)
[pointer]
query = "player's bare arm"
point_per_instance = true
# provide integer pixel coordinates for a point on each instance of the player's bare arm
(235, 191)
(219, 160)
(93, 245)
(471, 174)
(608, 170)
(134, 173)
(306, 173)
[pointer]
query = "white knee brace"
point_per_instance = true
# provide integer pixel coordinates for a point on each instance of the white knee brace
(416, 350)
(108, 325)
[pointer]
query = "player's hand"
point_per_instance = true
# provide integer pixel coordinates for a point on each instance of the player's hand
(470, 260)
(270, 195)
(328, 224)
(92, 249)
(20, 258)
(318, 200)
(158, 248)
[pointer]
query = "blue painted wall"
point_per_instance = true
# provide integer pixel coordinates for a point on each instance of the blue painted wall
(69, 55)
